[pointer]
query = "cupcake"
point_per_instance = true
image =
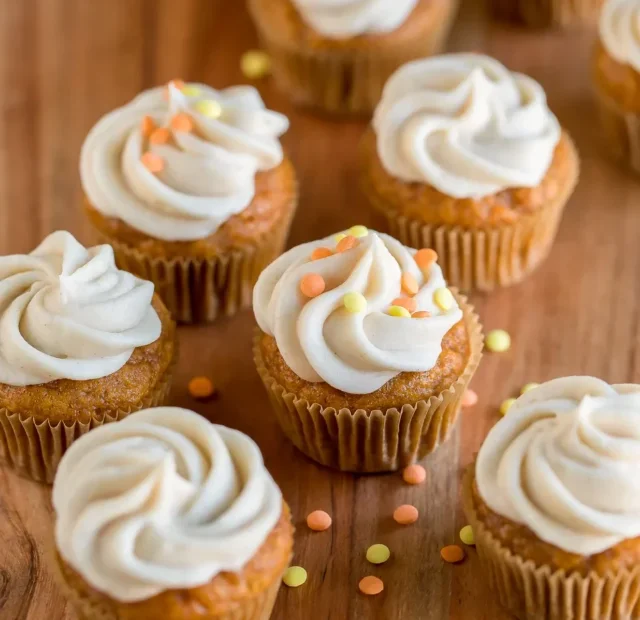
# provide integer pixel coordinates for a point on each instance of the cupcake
(465, 157)
(82, 344)
(616, 75)
(166, 516)
(547, 13)
(364, 351)
(554, 502)
(337, 56)
(191, 188)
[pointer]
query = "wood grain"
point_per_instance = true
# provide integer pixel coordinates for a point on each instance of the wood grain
(63, 63)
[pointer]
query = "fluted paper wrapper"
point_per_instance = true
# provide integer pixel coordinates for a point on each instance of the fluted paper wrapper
(529, 591)
(547, 13)
(372, 441)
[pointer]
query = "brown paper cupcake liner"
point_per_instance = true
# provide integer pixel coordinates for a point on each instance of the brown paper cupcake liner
(530, 591)
(344, 82)
(547, 13)
(372, 441)
(34, 447)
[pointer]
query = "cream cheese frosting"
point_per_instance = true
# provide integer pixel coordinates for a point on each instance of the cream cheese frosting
(565, 462)
(466, 125)
(205, 165)
(356, 352)
(161, 500)
(67, 312)
(341, 19)
(620, 31)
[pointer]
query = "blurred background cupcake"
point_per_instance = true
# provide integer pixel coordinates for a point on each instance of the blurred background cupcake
(547, 13)
(337, 56)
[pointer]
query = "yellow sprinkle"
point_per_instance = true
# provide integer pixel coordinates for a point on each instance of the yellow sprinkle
(498, 341)
(467, 536)
(399, 311)
(378, 554)
(190, 91)
(339, 237)
(255, 64)
(354, 302)
(209, 108)
(358, 231)
(529, 387)
(506, 405)
(444, 299)
(294, 576)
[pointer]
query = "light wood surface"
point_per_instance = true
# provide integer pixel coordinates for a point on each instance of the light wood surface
(63, 63)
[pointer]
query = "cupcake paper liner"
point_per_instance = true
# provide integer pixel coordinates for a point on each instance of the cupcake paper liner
(372, 441)
(547, 13)
(344, 81)
(530, 591)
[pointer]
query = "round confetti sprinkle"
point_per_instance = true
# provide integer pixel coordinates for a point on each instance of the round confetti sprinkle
(452, 554)
(354, 302)
(528, 387)
(312, 285)
(425, 258)
(152, 162)
(358, 231)
(469, 398)
(399, 311)
(371, 585)
(255, 64)
(421, 314)
(209, 108)
(378, 554)
(409, 283)
(160, 136)
(320, 253)
(182, 122)
(294, 576)
(506, 405)
(339, 237)
(498, 341)
(147, 126)
(179, 84)
(347, 243)
(201, 387)
(406, 302)
(414, 474)
(190, 90)
(443, 298)
(319, 521)
(466, 535)
(405, 514)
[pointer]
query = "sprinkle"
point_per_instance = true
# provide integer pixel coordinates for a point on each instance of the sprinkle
(378, 554)
(182, 122)
(201, 387)
(414, 474)
(312, 285)
(147, 126)
(152, 162)
(371, 585)
(347, 243)
(405, 514)
(467, 536)
(255, 64)
(339, 237)
(160, 136)
(406, 302)
(421, 314)
(469, 398)
(190, 91)
(320, 253)
(179, 84)
(209, 108)
(399, 311)
(528, 387)
(409, 283)
(294, 576)
(498, 341)
(319, 521)
(358, 231)
(354, 302)
(443, 298)
(452, 554)
(425, 258)
(506, 405)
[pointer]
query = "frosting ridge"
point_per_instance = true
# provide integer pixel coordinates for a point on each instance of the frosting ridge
(619, 31)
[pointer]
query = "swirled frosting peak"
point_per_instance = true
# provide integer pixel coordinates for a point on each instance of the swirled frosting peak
(341, 19)
(356, 333)
(161, 500)
(178, 162)
(620, 31)
(67, 312)
(565, 462)
(466, 125)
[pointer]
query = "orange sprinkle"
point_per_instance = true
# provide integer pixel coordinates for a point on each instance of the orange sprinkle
(312, 285)
(405, 514)
(152, 162)
(452, 554)
(319, 521)
(421, 314)
(319, 253)
(179, 84)
(405, 302)
(201, 387)
(425, 258)
(409, 283)
(348, 243)
(414, 474)
(469, 398)
(147, 126)
(160, 136)
(182, 122)
(371, 585)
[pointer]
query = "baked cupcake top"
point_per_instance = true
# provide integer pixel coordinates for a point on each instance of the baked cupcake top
(355, 311)
(466, 125)
(179, 161)
(67, 312)
(565, 462)
(161, 500)
(619, 31)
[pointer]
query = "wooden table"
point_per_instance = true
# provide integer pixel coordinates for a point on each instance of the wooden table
(63, 63)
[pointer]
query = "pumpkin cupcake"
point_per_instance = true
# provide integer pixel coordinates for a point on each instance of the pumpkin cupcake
(554, 502)
(191, 188)
(548, 13)
(465, 157)
(83, 343)
(337, 56)
(169, 517)
(364, 351)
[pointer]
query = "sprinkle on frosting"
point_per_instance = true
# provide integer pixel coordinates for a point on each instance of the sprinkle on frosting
(506, 405)
(209, 108)
(191, 91)
(147, 126)
(358, 231)
(443, 298)
(348, 242)
(312, 285)
(355, 302)
(320, 253)
(152, 162)
(421, 314)
(425, 258)
(182, 122)
(406, 302)
(160, 136)
(409, 283)
(399, 311)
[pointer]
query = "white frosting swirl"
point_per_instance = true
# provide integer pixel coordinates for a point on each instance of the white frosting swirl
(68, 313)
(161, 500)
(466, 125)
(620, 31)
(342, 19)
(565, 462)
(208, 175)
(356, 353)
